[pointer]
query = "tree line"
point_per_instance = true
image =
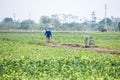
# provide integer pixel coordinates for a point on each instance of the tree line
(67, 23)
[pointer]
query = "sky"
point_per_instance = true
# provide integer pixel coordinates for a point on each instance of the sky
(33, 9)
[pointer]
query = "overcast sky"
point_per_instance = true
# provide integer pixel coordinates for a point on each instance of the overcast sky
(36, 8)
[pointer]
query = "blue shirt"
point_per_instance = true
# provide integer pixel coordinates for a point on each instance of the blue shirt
(48, 33)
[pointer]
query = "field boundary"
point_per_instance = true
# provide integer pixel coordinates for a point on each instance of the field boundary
(78, 46)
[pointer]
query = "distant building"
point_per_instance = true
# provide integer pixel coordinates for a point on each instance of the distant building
(93, 19)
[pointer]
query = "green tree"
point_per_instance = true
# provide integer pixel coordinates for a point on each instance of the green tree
(27, 24)
(7, 24)
(119, 26)
(8, 20)
(45, 20)
(102, 22)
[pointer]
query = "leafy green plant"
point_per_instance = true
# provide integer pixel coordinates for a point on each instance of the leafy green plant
(25, 56)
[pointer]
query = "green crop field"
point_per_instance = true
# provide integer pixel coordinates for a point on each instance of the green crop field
(27, 56)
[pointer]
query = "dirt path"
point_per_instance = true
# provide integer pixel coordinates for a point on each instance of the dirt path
(93, 48)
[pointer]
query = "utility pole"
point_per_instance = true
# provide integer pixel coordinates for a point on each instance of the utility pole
(105, 26)
(29, 15)
(14, 19)
(30, 21)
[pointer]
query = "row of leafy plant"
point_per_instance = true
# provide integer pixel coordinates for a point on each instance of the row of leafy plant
(23, 56)
(105, 40)
(64, 68)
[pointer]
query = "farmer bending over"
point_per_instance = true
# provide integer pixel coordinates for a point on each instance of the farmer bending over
(48, 34)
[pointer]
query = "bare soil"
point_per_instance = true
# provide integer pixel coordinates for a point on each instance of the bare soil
(93, 48)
